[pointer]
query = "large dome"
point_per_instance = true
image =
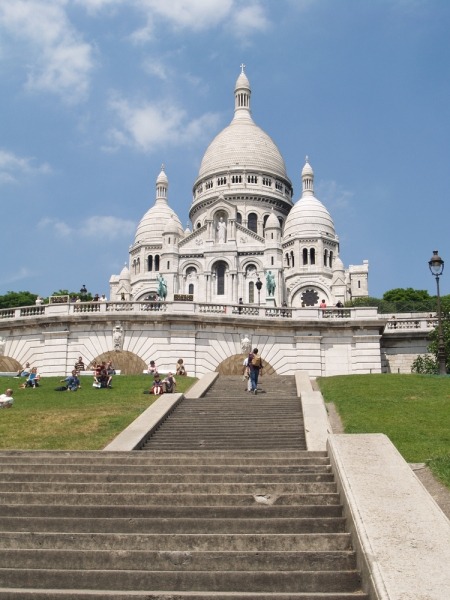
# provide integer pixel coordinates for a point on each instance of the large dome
(245, 144)
(242, 143)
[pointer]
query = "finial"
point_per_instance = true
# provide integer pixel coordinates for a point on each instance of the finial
(307, 159)
(242, 68)
(162, 167)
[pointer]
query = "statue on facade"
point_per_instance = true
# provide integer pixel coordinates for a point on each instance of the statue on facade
(270, 284)
(118, 337)
(221, 231)
(162, 287)
(246, 345)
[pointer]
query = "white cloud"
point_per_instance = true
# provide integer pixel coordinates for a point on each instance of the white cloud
(147, 126)
(13, 167)
(188, 14)
(19, 274)
(58, 60)
(99, 227)
(334, 195)
(248, 19)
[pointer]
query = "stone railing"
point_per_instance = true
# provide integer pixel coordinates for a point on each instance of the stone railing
(407, 324)
(212, 308)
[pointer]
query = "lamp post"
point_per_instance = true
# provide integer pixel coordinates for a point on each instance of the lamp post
(436, 265)
(258, 287)
(83, 292)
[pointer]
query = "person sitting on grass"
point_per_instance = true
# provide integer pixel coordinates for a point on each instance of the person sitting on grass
(6, 399)
(157, 387)
(73, 382)
(180, 370)
(32, 380)
(170, 384)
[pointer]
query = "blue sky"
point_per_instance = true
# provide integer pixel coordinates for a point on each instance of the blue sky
(96, 94)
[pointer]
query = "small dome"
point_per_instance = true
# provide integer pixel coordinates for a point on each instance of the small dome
(154, 222)
(172, 226)
(272, 221)
(338, 265)
(309, 216)
(124, 274)
(307, 169)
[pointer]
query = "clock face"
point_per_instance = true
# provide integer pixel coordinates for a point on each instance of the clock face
(310, 298)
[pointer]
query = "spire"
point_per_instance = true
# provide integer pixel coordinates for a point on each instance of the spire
(242, 94)
(162, 185)
(307, 179)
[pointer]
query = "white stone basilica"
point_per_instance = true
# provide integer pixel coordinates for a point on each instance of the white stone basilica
(245, 230)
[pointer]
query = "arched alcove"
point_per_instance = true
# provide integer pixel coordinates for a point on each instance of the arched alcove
(233, 365)
(127, 362)
(9, 365)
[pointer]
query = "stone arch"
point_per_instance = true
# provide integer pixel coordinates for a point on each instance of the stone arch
(9, 365)
(127, 362)
(233, 366)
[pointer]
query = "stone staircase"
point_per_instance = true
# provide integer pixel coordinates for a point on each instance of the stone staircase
(176, 523)
(230, 418)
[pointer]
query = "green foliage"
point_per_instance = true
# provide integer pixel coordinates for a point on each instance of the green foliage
(413, 410)
(15, 299)
(425, 365)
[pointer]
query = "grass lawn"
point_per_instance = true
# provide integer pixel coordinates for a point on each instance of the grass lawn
(44, 419)
(413, 410)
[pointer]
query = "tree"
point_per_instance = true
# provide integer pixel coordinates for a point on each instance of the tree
(14, 299)
(427, 364)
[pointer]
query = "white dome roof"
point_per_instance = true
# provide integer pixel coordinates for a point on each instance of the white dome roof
(124, 274)
(153, 223)
(242, 143)
(309, 216)
(159, 216)
(272, 221)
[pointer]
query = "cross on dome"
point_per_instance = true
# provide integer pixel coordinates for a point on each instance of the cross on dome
(242, 68)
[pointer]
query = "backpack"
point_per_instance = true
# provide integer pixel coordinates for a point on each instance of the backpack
(256, 361)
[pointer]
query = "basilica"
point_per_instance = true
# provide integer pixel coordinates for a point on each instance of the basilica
(249, 241)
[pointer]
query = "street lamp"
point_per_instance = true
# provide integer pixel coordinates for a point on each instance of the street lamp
(436, 265)
(258, 287)
(83, 292)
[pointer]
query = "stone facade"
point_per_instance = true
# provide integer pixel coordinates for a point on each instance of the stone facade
(210, 337)
(245, 231)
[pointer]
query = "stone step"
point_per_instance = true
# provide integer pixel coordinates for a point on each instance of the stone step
(176, 512)
(173, 525)
(159, 542)
(183, 561)
(35, 594)
(116, 499)
(273, 489)
(238, 581)
(168, 469)
(283, 457)
(186, 477)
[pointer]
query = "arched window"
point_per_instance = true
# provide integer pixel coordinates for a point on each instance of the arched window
(150, 263)
(292, 258)
(312, 256)
(239, 218)
(220, 276)
(325, 258)
(191, 289)
(281, 222)
(305, 256)
(331, 259)
(157, 262)
(287, 259)
(251, 292)
(252, 222)
(264, 222)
